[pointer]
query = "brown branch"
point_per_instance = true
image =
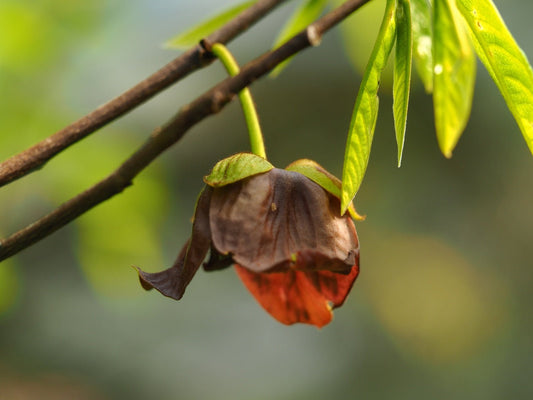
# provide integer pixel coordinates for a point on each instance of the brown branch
(36, 156)
(162, 138)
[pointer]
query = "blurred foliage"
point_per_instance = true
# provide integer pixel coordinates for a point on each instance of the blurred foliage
(191, 37)
(34, 41)
(449, 318)
(9, 285)
(306, 13)
(131, 221)
(33, 33)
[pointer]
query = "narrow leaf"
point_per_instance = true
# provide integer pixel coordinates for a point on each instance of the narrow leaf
(355, 32)
(402, 72)
(304, 15)
(193, 35)
(505, 61)
(365, 110)
(454, 75)
(421, 12)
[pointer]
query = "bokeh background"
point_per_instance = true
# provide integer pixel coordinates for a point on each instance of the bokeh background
(442, 307)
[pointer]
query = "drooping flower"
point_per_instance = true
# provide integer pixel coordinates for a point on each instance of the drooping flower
(283, 231)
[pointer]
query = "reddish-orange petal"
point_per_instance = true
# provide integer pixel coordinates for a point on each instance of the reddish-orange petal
(299, 296)
(333, 286)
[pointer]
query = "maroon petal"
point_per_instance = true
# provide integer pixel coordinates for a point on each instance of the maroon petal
(173, 281)
(299, 296)
(268, 221)
(217, 261)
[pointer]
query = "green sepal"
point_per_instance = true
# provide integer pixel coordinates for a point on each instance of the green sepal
(236, 168)
(318, 174)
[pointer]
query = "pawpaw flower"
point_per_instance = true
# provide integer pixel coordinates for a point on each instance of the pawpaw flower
(283, 231)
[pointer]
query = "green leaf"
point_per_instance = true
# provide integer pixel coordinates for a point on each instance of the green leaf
(355, 32)
(9, 285)
(193, 35)
(402, 72)
(235, 168)
(323, 178)
(505, 61)
(365, 110)
(304, 15)
(454, 75)
(421, 12)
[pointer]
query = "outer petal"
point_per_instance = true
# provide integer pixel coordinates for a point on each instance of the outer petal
(268, 221)
(299, 296)
(318, 174)
(173, 281)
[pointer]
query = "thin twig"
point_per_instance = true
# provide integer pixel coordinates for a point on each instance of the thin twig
(162, 138)
(36, 156)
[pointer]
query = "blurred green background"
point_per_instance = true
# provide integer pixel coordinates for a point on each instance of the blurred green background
(442, 307)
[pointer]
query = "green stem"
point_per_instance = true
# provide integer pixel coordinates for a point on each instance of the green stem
(248, 106)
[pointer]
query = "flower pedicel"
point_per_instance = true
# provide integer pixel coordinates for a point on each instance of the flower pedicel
(283, 231)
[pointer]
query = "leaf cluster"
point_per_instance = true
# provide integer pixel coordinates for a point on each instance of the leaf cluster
(441, 38)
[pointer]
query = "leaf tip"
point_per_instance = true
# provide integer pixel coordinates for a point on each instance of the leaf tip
(345, 202)
(400, 156)
(446, 153)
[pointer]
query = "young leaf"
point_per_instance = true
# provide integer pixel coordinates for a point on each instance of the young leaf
(421, 12)
(355, 32)
(365, 110)
(304, 15)
(402, 72)
(505, 61)
(193, 35)
(454, 75)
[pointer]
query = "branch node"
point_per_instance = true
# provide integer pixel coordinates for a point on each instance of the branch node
(206, 45)
(219, 100)
(313, 35)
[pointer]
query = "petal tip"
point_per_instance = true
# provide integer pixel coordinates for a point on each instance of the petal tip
(146, 285)
(168, 282)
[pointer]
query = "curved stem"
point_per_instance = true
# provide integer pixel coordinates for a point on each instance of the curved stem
(248, 106)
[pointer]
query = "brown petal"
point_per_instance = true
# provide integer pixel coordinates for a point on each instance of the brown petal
(173, 281)
(217, 261)
(299, 296)
(268, 221)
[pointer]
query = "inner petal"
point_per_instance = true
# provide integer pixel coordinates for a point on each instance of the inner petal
(298, 296)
